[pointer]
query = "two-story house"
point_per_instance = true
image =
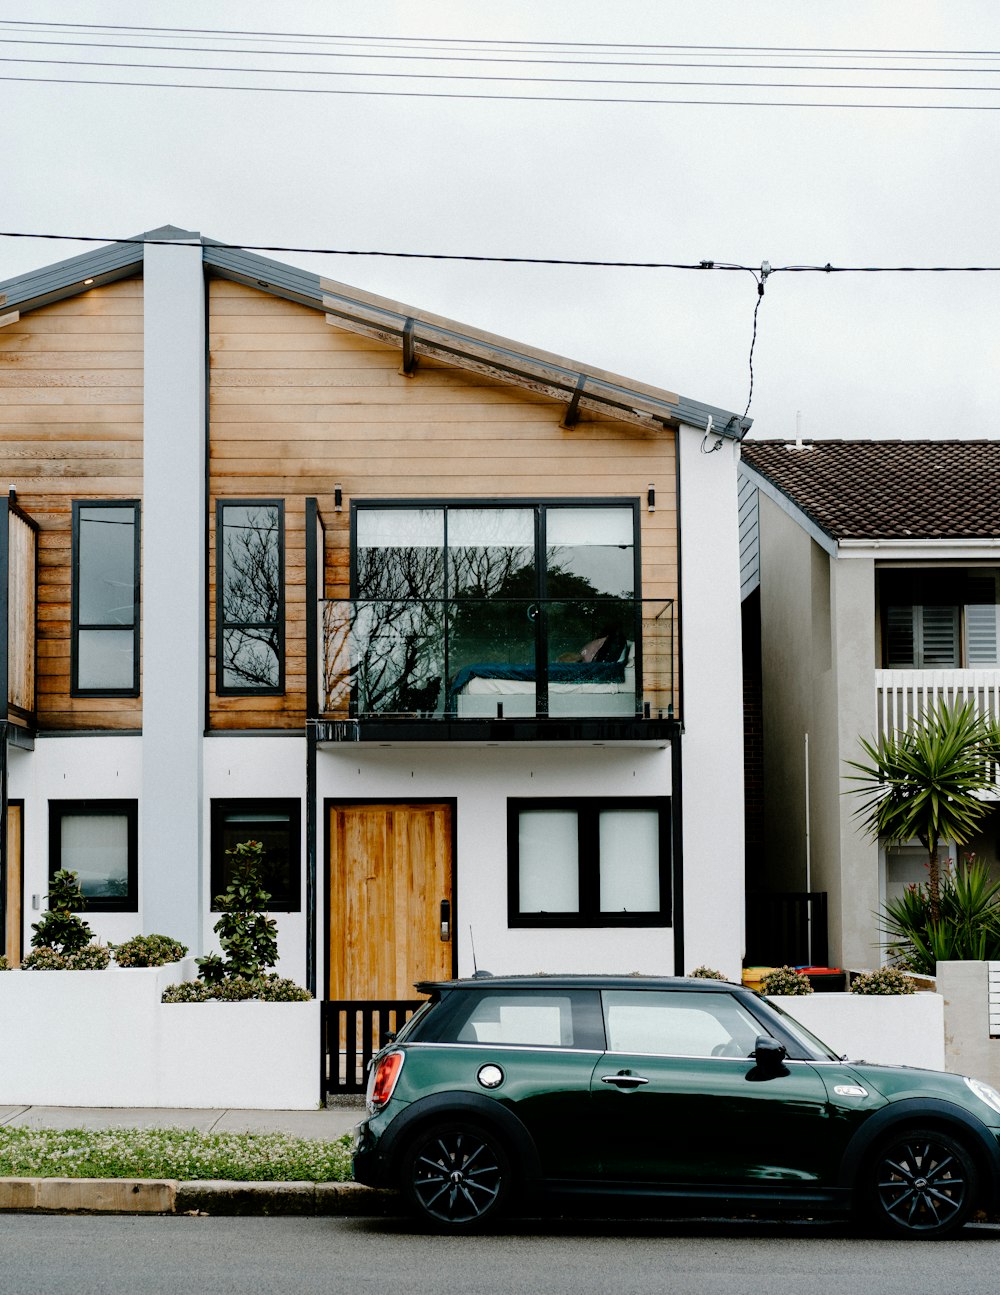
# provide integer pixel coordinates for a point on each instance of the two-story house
(871, 571)
(449, 623)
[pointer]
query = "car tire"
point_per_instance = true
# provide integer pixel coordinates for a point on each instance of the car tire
(921, 1183)
(456, 1176)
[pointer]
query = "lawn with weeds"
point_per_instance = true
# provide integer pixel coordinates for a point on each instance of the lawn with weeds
(171, 1153)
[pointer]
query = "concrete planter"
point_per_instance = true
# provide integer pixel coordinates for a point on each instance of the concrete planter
(103, 1038)
(895, 1029)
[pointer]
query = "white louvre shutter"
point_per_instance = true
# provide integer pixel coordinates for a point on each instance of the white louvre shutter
(981, 621)
(939, 638)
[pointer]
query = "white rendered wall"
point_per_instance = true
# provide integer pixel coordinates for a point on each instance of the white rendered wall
(483, 779)
(262, 768)
(173, 590)
(892, 1030)
(74, 768)
(711, 706)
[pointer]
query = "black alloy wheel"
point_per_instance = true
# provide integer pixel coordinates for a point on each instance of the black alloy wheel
(457, 1176)
(922, 1183)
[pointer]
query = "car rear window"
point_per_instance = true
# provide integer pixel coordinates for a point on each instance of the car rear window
(561, 1019)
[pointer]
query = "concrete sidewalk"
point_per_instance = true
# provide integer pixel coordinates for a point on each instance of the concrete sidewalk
(329, 1123)
(134, 1196)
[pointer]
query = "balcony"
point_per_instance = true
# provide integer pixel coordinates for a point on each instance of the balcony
(903, 695)
(494, 669)
(18, 614)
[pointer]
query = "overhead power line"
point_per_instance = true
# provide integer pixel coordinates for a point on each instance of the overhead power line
(486, 258)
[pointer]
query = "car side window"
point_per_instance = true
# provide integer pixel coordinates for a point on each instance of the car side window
(558, 1020)
(678, 1023)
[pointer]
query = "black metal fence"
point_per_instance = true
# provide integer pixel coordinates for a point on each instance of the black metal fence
(353, 1031)
(787, 928)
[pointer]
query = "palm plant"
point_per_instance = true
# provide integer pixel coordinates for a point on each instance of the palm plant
(928, 782)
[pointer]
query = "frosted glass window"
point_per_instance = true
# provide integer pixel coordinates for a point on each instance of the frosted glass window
(578, 527)
(487, 527)
(394, 528)
(105, 659)
(630, 861)
(549, 872)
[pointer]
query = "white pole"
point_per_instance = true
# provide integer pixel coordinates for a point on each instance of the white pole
(808, 857)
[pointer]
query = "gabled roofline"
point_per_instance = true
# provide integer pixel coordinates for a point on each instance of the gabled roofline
(787, 505)
(416, 333)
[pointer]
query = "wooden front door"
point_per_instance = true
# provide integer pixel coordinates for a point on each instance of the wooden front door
(391, 906)
(12, 886)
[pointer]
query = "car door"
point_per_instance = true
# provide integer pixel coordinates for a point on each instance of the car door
(678, 1100)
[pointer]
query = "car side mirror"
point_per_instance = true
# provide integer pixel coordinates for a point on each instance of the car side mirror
(769, 1055)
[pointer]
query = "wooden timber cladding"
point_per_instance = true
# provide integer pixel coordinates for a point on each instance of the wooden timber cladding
(297, 405)
(71, 428)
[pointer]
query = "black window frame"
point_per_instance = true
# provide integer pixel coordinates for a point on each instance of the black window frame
(222, 689)
(128, 809)
(589, 913)
(75, 626)
(221, 808)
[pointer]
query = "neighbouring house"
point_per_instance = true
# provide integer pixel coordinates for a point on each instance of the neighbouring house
(449, 623)
(871, 584)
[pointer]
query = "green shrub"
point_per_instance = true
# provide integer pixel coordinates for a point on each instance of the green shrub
(785, 980)
(706, 973)
(249, 944)
(884, 980)
(238, 989)
(61, 928)
(92, 957)
(149, 951)
(968, 928)
(4, 964)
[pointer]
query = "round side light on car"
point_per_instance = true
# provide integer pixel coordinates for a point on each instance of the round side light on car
(490, 1076)
(383, 1080)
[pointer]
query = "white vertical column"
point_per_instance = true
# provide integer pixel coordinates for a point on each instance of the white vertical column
(712, 706)
(173, 591)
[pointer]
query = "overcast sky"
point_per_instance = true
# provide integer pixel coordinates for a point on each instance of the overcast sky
(858, 355)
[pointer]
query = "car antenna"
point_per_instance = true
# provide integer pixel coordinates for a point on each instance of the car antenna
(476, 973)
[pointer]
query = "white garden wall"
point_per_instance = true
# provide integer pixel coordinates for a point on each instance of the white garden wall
(895, 1030)
(103, 1038)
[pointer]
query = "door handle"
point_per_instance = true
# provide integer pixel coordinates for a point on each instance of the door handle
(623, 1081)
(445, 921)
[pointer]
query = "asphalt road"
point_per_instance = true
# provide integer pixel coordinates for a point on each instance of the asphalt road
(53, 1255)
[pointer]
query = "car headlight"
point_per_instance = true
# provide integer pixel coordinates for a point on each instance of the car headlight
(985, 1092)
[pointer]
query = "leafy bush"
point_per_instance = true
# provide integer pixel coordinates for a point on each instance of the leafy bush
(249, 942)
(785, 980)
(884, 980)
(249, 938)
(61, 928)
(238, 989)
(149, 951)
(968, 928)
(92, 957)
(4, 964)
(706, 973)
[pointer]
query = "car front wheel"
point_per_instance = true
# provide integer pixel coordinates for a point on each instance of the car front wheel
(457, 1176)
(921, 1183)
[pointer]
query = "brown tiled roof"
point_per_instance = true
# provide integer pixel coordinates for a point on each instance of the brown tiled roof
(888, 489)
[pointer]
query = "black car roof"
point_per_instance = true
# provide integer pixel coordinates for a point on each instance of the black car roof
(546, 982)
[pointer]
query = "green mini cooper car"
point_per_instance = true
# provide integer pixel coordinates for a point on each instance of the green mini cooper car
(681, 1095)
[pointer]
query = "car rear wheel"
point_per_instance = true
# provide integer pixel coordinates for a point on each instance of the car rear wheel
(457, 1176)
(922, 1183)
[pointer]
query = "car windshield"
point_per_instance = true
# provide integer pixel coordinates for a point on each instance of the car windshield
(815, 1048)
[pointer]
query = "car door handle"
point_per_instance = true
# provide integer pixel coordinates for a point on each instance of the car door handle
(624, 1081)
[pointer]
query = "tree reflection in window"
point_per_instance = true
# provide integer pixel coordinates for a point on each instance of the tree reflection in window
(251, 597)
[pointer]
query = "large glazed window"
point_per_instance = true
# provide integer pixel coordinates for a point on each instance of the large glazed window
(99, 841)
(105, 600)
(588, 863)
(499, 599)
(250, 592)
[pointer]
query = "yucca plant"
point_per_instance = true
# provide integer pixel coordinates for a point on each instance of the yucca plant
(967, 927)
(927, 781)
